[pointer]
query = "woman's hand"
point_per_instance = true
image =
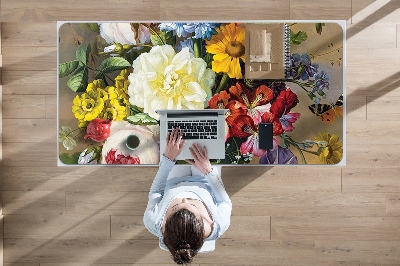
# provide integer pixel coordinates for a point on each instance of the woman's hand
(201, 160)
(174, 144)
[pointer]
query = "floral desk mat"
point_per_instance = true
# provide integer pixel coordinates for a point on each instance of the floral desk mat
(113, 76)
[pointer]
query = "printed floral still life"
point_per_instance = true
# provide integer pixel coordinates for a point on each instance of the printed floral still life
(116, 75)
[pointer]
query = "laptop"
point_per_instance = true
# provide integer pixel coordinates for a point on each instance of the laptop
(206, 127)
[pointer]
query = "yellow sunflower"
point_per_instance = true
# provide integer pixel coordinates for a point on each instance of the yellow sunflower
(228, 48)
(332, 153)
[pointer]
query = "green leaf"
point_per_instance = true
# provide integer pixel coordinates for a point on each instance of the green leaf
(142, 119)
(79, 80)
(94, 27)
(82, 54)
(166, 38)
(298, 38)
(111, 64)
(67, 68)
(69, 159)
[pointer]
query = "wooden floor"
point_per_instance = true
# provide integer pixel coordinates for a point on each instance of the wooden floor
(281, 215)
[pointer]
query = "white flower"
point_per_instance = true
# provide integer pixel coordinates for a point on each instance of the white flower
(148, 151)
(88, 156)
(124, 33)
(163, 79)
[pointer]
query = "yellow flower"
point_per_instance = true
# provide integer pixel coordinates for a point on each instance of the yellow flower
(121, 86)
(114, 110)
(97, 87)
(88, 106)
(332, 152)
(228, 47)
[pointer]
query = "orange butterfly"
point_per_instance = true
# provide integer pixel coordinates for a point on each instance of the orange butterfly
(327, 112)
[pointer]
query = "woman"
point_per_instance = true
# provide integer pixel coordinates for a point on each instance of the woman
(188, 205)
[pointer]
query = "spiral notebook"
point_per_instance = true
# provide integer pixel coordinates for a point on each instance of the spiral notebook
(267, 51)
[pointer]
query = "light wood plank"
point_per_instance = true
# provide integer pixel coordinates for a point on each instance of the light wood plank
(363, 252)
(326, 9)
(50, 226)
(29, 130)
(30, 82)
(356, 109)
(249, 227)
(309, 204)
(363, 131)
(22, 11)
(393, 204)
(112, 264)
(375, 180)
(17, 63)
(147, 251)
(335, 228)
(384, 36)
(24, 106)
(24, 34)
(129, 227)
(15, 153)
(51, 106)
(255, 10)
(371, 155)
(120, 179)
(383, 108)
(21, 264)
(358, 6)
(266, 180)
(110, 203)
(33, 202)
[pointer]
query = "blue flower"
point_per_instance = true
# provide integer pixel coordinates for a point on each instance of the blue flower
(185, 43)
(179, 29)
(205, 30)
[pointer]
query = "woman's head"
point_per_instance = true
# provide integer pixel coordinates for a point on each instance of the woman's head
(184, 235)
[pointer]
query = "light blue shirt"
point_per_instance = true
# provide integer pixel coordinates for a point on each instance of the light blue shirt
(209, 188)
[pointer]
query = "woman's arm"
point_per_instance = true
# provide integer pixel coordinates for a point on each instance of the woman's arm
(167, 161)
(156, 193)
(221, 198)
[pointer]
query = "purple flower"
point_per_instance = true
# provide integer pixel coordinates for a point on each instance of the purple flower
(302, 67)
(321, 81)
(278, 156)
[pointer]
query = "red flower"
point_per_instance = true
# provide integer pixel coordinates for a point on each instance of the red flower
(261, 95)
(219, 101)
(113, 158)
(243, 126)
(285, 101)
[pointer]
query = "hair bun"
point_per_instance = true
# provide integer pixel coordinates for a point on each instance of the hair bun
(184, 245)
(183, 255)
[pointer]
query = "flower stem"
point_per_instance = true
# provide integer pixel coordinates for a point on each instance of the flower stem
(197, 47)
(224, 81)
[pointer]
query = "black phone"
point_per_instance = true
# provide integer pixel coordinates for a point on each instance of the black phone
(265, 136)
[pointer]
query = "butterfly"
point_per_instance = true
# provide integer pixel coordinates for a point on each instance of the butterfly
(327, 112)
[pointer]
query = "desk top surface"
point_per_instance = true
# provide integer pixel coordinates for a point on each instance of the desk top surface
(113, 76)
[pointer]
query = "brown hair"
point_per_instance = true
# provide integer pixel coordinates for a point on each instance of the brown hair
(184, 235)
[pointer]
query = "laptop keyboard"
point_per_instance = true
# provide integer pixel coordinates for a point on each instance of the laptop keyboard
(196, 129)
